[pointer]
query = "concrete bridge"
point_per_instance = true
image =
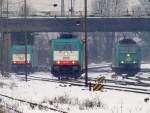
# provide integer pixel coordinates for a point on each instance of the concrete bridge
(75, 24)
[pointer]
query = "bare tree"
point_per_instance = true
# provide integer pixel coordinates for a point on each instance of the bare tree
(109, 7)
(29, 10)
(1, 6)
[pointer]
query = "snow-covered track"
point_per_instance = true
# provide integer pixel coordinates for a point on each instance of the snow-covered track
(127, 89)
(81, 81)
(70, 82)
(32, 103)
(142, 78)
(119, 87)
(135, 82)
(10, 108)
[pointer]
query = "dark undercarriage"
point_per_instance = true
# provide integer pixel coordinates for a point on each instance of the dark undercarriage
(21, 68)
(68, 71)
(129, 69)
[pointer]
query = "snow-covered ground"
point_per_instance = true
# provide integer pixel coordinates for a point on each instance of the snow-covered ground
(72, 99)
(145, 65)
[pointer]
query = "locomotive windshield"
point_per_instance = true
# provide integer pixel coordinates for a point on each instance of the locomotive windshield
(66, 47)
(19, 51)
(128, 49)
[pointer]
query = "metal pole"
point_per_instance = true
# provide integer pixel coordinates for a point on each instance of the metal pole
(2, 70)
(25, 16)
(86, 51)
(7, 42)
(71, 8)
(1, 2)
(62, 8)
(7, 9)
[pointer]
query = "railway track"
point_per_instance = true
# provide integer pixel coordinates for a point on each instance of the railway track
(128, 89)
(136, 82)
(124, 86)
(28, 102)
(107, 68)
(9, 108)
(30, 77)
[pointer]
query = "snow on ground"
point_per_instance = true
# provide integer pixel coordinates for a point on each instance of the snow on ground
(102, 64)
(145, 65)
(72, 99)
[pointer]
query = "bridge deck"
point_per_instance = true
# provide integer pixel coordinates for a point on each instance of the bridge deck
(71, 24)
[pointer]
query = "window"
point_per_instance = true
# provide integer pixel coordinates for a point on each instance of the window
(19, 50)
(127, 49)
(65, 46)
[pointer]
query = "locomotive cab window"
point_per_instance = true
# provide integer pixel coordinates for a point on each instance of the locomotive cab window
(18, 50)
(66, 47)
(125, 49)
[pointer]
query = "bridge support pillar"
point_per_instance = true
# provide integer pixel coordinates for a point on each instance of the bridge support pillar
(5, 61)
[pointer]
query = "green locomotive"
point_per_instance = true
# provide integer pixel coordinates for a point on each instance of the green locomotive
(67, 56)
(18, 62)
(18, 50)
(126, 57)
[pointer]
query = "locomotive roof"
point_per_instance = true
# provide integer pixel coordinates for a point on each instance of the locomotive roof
(127, 41)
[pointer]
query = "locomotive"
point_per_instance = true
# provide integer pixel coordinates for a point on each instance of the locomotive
(18, 50)
(67, 56)
(126, 57)
(18, 62)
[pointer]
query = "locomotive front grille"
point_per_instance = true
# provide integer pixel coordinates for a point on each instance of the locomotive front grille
(65, 69)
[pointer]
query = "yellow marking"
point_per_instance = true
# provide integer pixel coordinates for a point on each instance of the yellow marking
(97, 87)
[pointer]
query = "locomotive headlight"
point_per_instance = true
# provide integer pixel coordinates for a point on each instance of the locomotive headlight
(66, 53)
(134, 62)
(128, 55)
(122, 62)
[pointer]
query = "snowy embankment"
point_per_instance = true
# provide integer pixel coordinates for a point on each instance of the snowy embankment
(71, 99)
(145, 65)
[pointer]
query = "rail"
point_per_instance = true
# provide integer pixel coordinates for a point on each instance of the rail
(32, 103)
(122, 85)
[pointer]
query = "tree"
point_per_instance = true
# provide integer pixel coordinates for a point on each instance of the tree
(29, 10)
(1, 6)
